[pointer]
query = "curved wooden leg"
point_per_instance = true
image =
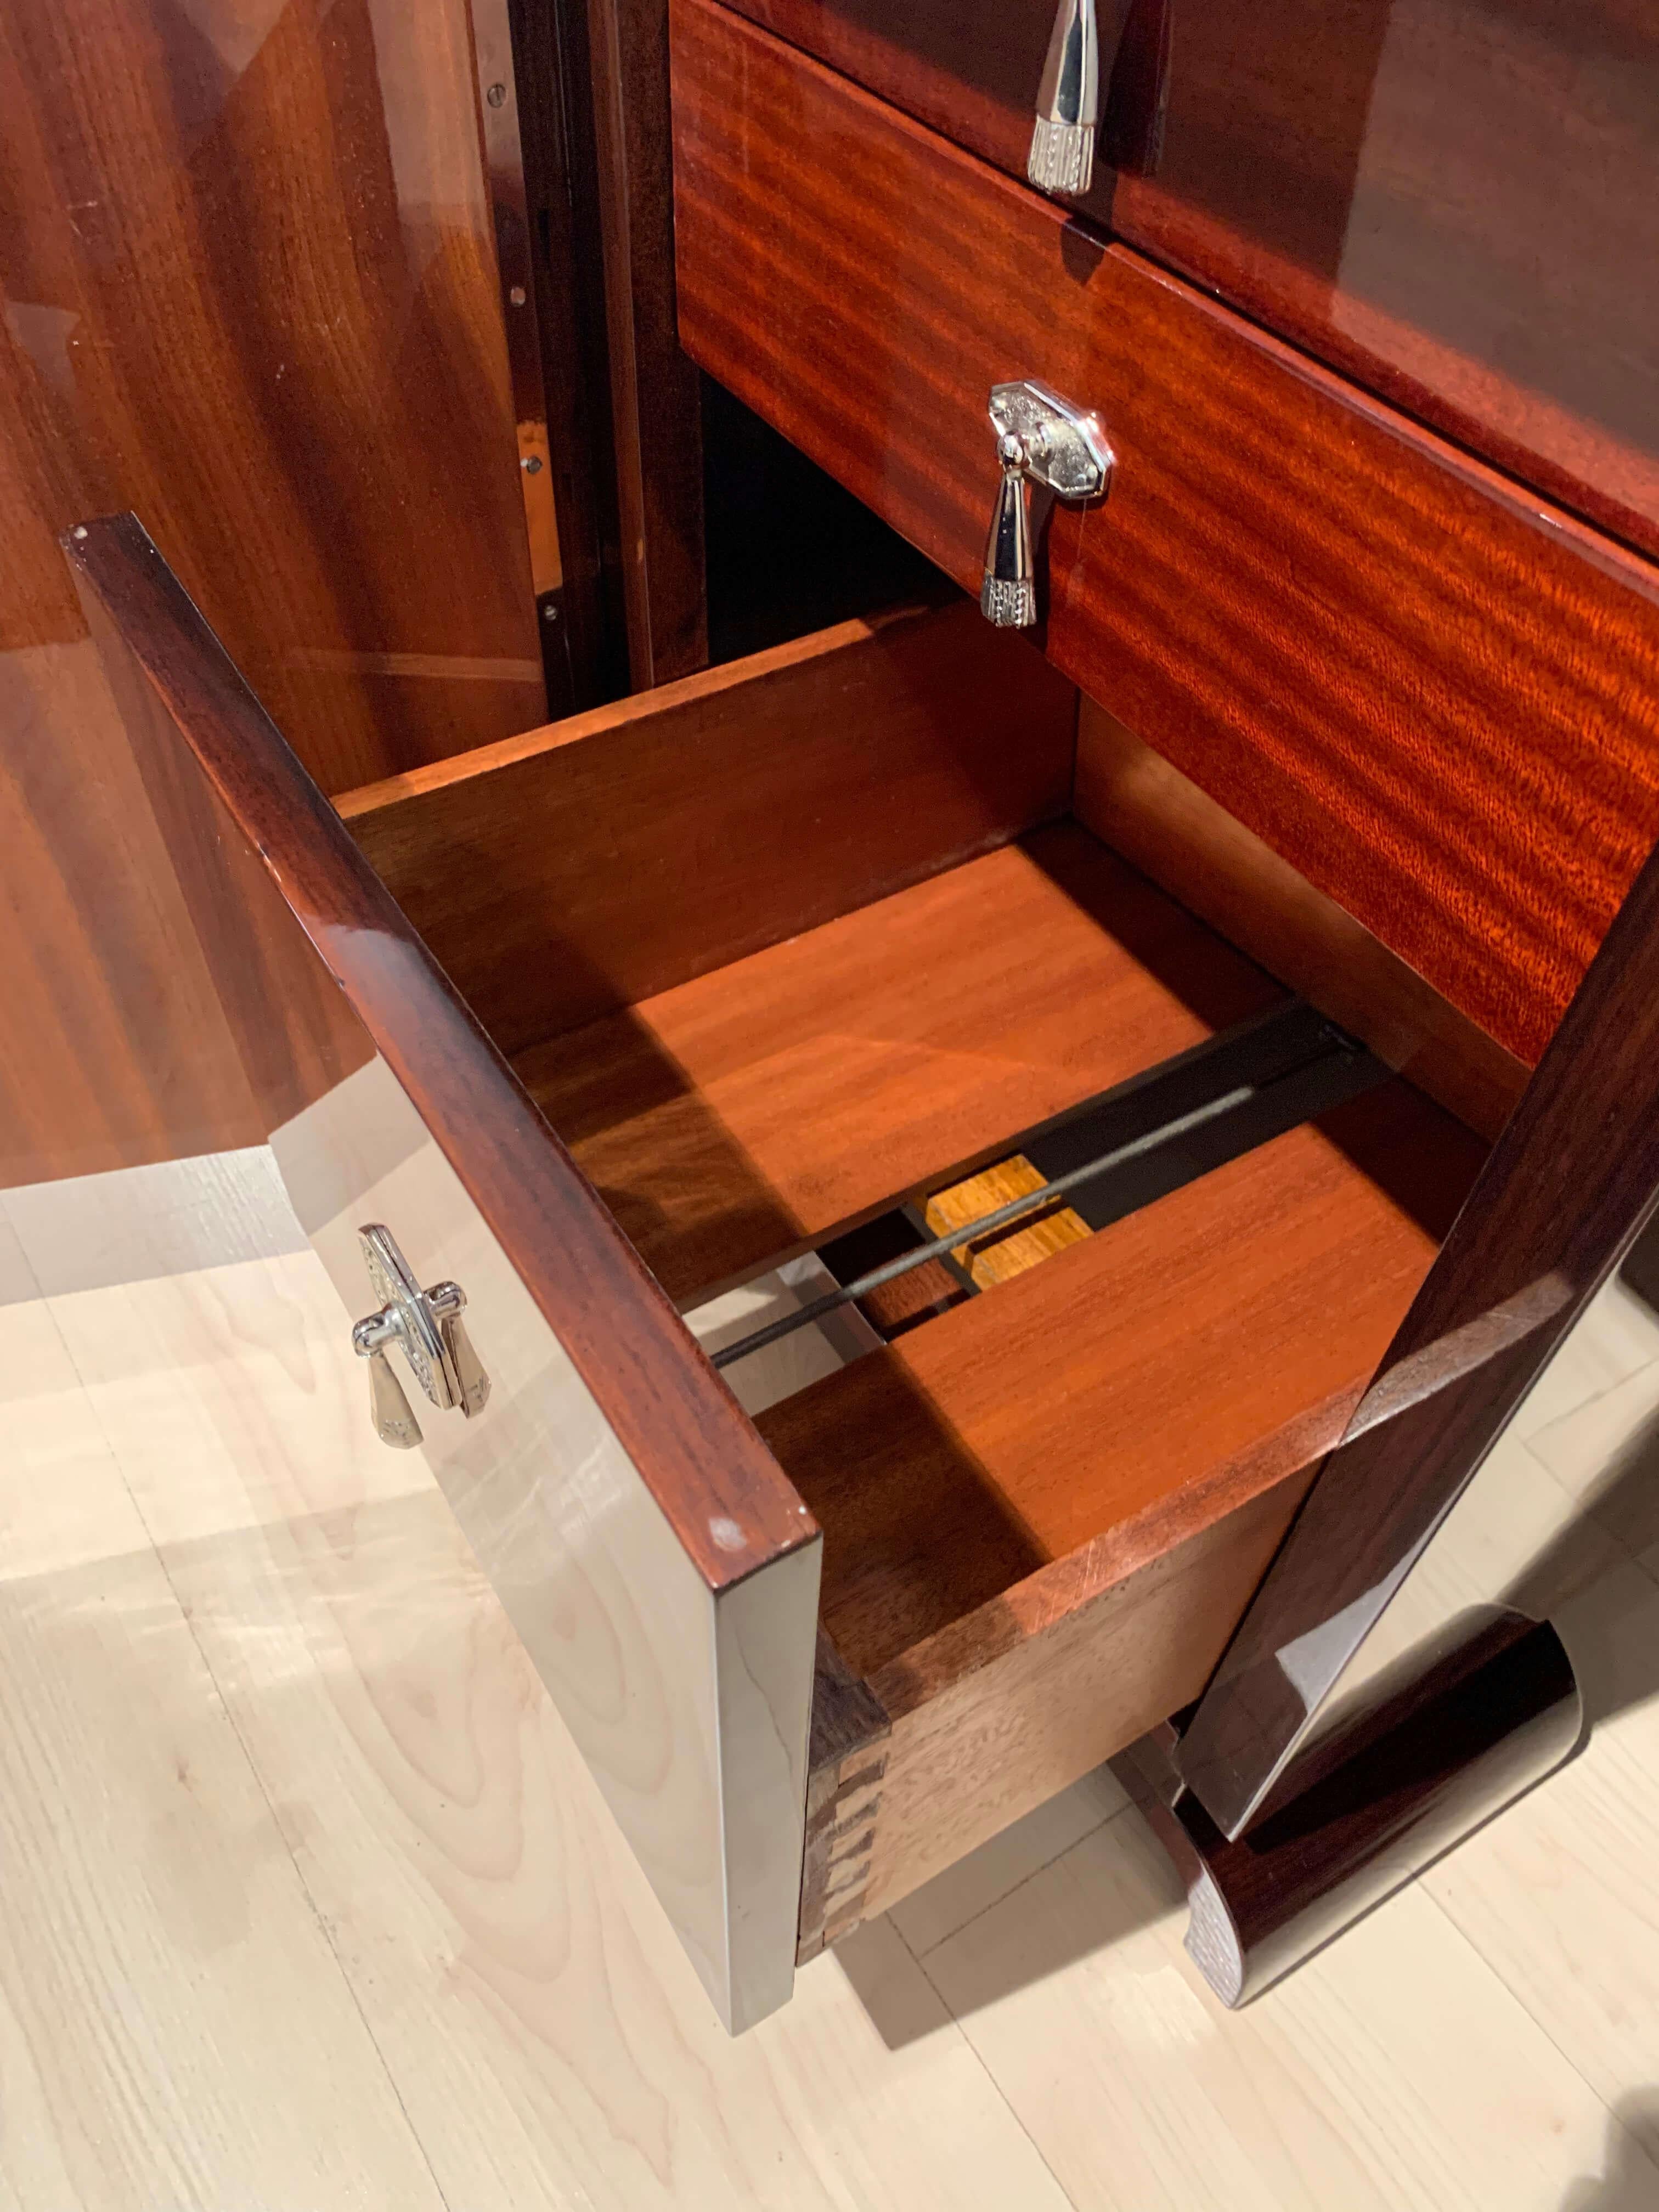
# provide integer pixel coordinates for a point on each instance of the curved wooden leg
(1438, 1749)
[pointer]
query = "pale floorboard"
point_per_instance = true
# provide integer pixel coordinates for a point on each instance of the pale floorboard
(548, 2043)
(1561, 1895)
(1391, 2071)
(310, 1903)
(174, 2029)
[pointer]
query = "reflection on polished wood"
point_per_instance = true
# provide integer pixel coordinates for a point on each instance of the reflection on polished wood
(659, 1568)
(1569, 1183)
(1434, 698)
(250, 290)
(1471, 1722)
(252, 293)
(1454, 204)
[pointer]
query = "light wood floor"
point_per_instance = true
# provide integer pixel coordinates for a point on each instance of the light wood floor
(308, 1903)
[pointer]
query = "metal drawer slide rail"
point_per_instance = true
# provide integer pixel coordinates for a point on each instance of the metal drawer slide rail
(1120, 1150)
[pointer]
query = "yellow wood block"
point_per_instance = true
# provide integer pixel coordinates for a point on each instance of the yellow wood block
(1005, 1254)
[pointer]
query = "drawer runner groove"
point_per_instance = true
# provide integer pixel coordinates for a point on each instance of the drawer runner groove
(1102, 1160)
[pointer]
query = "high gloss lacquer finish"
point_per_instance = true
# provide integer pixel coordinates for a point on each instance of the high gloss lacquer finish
(252, 291)
(1447, 1740)
(660, 1569)
(1453, 203)
(1435, 698)
(249, 288)
(1562, 1196)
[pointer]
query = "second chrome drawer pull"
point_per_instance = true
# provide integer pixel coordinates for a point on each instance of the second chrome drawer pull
(1062, 159)
(426, 1325)
(1045, 441)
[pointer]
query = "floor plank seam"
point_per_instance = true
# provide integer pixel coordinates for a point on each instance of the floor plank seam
(1013, 1890)
(1497, 1975)
(969, 2045)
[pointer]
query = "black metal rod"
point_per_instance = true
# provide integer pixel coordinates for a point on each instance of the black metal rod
(1015, 1210)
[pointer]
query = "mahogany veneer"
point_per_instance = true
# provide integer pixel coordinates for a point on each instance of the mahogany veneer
(1436, 698)
(1453, 204)
(252, 290)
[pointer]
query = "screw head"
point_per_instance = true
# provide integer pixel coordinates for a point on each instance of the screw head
(531, 465)
(497, 95)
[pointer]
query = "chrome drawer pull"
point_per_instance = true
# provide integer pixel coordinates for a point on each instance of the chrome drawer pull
(427, 1325)
(1042, 440)
(1062, 160)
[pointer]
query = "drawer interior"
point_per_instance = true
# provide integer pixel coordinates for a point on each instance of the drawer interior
(1157, 1370)
(774, 1102)
(814, 955)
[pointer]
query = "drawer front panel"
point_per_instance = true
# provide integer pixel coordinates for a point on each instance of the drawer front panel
(1454, 204)
(659, 1569)
(1438, 702)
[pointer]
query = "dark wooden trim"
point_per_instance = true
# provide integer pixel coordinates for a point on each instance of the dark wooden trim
(1468, 1728)
(555, 98)
(655, 392)
(520, 278)
(693, 1445)
(1559, 1202)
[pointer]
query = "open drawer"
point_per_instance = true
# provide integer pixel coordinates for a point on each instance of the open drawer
(814, 970)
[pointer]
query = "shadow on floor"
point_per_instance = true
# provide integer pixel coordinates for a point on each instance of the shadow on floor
(1617, 1663)
(1128, 1885)
(1628, 2181)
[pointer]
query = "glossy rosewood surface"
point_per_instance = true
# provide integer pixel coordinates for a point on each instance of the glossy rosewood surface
(1453, 203)
(1472, 1724)
(1438, 702)
(249, 289)
(1559, 1199)
(722, 1493)
(252, 293)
